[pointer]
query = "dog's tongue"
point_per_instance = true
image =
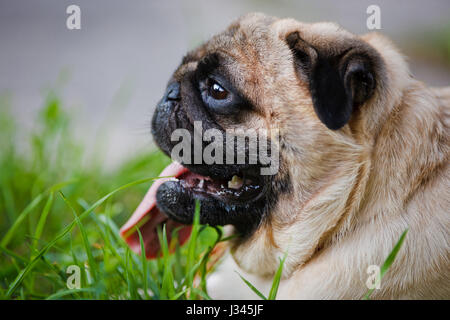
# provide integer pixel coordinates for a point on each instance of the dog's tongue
(147, 218)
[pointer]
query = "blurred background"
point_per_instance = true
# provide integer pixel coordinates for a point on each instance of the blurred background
(111, 73)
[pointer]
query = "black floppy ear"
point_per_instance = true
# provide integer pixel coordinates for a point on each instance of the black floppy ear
(337, 83)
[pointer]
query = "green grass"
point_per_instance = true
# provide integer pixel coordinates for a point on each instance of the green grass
(434, 44)
(275, 282)
(56, 211)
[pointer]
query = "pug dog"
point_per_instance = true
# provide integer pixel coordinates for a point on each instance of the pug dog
(363, 155)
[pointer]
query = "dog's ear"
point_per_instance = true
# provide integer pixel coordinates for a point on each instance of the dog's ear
(338, 83)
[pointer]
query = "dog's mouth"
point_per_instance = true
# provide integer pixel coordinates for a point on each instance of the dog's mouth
(170, 201)
(237, 188)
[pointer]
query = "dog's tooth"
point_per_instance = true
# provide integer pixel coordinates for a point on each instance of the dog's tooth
(201, 183)
(235, 182)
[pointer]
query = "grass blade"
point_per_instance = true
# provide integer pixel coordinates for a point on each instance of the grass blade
(201, 293)
(192, 246)
(167, 288)
(204, 270)
(130, 280)
(248, 283)
(179, 294)
(87, 246)
(144, 264)
(42, 220)
(389, 260)
(277, 279)
(63, 293)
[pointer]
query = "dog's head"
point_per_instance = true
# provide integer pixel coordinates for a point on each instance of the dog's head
(315, 85)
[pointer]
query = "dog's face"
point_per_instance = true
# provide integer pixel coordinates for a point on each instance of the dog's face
(310, 82)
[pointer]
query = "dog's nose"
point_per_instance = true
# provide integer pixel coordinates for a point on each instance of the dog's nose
(173, 92)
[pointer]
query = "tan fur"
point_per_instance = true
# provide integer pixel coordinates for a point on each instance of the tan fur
(355, 190)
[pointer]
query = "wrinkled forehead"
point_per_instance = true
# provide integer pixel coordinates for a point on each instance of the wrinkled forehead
(256, 37)
(243, 36)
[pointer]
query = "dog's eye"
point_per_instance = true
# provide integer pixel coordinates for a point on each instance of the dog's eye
(216, 91)
(217, 97)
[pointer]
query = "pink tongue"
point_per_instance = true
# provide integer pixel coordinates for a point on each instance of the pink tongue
(147, 218)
